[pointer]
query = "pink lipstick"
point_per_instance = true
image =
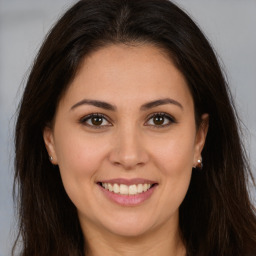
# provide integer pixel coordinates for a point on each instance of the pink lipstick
(128, 192)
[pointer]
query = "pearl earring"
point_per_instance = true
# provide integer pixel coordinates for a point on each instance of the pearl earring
(199, 164)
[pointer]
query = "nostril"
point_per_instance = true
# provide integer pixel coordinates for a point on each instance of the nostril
(128, 158)
(116, 163)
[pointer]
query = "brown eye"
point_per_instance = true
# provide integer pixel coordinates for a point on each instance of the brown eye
(160, 120)
(95, 121)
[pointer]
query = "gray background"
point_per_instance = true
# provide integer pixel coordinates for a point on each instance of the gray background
(230, 25)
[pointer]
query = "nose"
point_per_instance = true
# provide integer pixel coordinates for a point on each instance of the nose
(128, 150)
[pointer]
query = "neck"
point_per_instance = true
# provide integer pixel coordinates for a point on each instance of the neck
(164, 241)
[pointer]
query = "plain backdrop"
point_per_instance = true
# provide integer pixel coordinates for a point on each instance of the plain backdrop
(230, 25)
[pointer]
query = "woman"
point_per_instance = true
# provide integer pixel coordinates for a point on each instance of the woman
(127, 140)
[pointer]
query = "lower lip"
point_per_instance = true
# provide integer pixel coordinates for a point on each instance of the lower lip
(125, 200)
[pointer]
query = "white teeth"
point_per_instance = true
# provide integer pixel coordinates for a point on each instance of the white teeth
(110, 187)
(133, 190)
(126, 190)
(116, 189)
(140, 188)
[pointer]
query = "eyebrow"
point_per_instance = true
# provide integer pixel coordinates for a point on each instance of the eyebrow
(160, 102)
(107, 106)
(96, 103)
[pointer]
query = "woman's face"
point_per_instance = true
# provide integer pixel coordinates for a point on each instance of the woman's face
(127, 124)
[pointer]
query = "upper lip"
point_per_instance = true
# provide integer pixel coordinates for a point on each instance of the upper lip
(128, 182)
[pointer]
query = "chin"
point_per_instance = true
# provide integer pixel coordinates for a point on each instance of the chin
(130, 231)
(129, 226)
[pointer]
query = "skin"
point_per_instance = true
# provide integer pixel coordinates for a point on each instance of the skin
(128, 144)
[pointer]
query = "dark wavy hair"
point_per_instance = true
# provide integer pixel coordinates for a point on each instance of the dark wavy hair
(216, 216)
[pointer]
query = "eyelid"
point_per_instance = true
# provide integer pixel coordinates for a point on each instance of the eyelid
(84, 119)
(165, 115)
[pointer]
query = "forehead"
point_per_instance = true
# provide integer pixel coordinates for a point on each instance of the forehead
(128, 74)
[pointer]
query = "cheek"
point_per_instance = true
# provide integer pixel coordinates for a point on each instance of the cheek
(79, 158)
(174, 160)
(77, 153)
(174, 155)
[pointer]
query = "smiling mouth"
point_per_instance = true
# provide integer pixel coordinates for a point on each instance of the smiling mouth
(123, 189)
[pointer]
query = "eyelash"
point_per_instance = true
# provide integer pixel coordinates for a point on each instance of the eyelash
(170, 119)
(85, 120)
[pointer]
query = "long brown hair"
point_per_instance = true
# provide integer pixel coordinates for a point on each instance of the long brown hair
(216, 217)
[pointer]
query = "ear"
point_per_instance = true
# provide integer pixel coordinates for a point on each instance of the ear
(201, 137)
(49, 144)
